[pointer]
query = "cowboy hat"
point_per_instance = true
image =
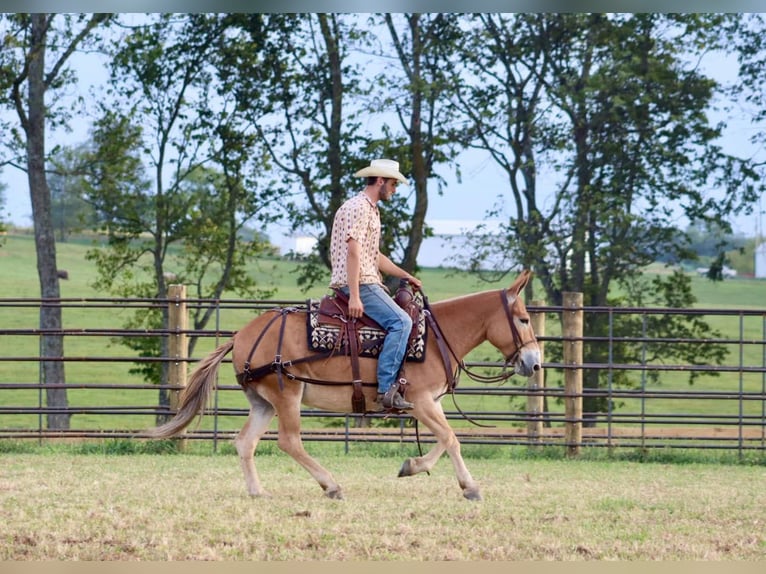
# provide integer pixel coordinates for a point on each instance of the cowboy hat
(382, 168)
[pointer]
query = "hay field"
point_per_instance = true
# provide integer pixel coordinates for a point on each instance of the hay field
(61, 506)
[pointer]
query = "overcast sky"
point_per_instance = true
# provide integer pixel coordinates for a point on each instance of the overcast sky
(482, 181)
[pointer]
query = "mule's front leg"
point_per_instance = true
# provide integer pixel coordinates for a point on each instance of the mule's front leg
(415, 465)
(432, 415)
(465, 480)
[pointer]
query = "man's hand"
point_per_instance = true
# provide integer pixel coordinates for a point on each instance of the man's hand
(417, 283)
(355, 307)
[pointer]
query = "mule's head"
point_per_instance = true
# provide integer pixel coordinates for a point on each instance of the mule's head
(510, 329)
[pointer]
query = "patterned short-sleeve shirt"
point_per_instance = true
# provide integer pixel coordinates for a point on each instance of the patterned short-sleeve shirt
(356, 219)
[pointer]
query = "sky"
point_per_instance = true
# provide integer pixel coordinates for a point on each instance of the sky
(469, 200)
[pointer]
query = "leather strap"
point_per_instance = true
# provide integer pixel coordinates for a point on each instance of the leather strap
(357, 398)
(245, 375)
(444, 349)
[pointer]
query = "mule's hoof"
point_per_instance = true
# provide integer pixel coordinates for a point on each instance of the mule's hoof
(262, 494)
(406, 469)
(335, 494)
(472, 494)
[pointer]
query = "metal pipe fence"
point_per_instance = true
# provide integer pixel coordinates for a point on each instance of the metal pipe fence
(648, 403)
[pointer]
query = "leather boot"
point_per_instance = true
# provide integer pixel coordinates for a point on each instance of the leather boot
(393, 400)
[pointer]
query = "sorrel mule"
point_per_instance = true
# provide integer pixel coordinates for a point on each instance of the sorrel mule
(498, 316)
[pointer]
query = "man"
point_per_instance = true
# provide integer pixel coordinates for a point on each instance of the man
(357, 264)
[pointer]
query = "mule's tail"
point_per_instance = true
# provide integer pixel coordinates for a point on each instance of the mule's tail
(195, 395)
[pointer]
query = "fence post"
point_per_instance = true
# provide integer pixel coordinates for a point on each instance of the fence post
(573, 353)
(178, 345)
(536, 383)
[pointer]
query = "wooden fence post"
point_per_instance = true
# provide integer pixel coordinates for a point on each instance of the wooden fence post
(536, 383)
(573, 354)
(178, 345)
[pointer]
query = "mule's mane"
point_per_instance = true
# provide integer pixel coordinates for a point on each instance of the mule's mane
(464, 318)
(464, 298)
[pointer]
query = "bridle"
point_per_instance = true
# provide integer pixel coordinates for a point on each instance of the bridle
(514, 329)
(504, 375)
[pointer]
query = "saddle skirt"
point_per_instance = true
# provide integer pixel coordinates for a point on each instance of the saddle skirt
(327, 321)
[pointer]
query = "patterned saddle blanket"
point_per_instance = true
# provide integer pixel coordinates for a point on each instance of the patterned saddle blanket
(325, 330)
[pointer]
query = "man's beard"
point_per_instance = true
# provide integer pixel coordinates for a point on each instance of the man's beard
(385, 193)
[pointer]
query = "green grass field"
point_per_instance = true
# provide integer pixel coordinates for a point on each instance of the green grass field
(136, 501)
(68, 506)
(19, 280)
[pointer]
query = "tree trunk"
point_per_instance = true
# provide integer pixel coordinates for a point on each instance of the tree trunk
(52, 345)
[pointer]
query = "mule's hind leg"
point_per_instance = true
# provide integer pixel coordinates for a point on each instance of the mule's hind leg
(290, 442)
(431, 414)
(261, 413)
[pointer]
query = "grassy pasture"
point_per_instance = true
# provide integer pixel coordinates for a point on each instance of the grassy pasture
(19, 279)
(68, 506)
(87, 502)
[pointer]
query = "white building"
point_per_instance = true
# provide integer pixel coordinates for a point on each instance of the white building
(296, 246)
(760, 261)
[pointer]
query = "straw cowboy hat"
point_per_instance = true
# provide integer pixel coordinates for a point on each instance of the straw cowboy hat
(382, 168)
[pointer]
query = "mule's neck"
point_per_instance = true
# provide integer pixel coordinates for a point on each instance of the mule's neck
(464, 320)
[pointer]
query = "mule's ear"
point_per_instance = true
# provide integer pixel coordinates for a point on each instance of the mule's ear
(520, 282)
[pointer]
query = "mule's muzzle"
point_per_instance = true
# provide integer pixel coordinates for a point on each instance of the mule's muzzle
(528, 362)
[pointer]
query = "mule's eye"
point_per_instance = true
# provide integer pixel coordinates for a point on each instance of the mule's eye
(524, 321)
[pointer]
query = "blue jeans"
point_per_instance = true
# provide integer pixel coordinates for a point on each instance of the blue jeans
(381, 307)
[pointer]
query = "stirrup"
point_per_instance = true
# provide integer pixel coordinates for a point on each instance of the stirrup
(393, 400)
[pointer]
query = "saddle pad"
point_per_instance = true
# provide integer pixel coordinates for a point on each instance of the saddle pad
(324, 337)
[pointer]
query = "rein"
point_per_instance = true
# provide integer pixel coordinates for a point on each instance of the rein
(462, 367)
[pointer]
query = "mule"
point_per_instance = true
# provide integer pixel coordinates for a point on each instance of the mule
(274, 346)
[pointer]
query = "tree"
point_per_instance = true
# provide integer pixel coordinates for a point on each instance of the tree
(183, 218)
(292, 77)
(421, 46)
(26, 79)
(750, 47)
(624, 114)
(499, 72)
(70, 211)
(2, 215)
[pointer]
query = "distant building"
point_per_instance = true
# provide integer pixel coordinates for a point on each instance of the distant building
(760, 261)
(296, 246)
(726, 272)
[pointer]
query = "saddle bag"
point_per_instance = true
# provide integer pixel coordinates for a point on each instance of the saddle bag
(413, 306)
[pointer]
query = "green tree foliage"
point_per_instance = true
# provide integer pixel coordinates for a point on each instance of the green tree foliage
(498, 72)
(416, 91)
(2, 213)
(69, 209)
(614, 105)
(33, 71)
(292, 78)
(180, 221)
(321, 116)
(713, 247)
(750, 47)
